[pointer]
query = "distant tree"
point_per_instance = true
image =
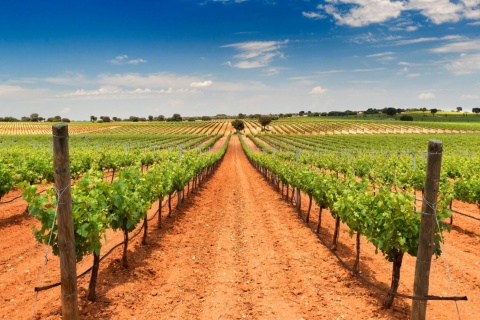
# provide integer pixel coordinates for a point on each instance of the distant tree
(433, 111)
(65, 120)
(93, 118)
(476, 110)
(406, 118)
(57, 119)
(265, 121)
(238, 125)
(133, 118)
(336, 114)
(25, 119)
(160, 118)
(150, 118)
(301, 113)
(400, 110)
(424, 110)
(323, 114)
(390, 111)
(206, 118)
(10, 119)
(105, 118)
(142, 119)
(459, 109)
(34, 117)
(241, 116)
(372, 111)
(176, 117)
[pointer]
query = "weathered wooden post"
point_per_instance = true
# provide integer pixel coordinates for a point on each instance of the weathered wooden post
(427, 229)
(297, 195)
(66, 237)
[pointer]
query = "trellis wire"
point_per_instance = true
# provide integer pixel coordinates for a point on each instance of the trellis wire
(45, 257)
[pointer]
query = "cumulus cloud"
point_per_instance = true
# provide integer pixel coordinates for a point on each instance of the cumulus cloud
(426, 95)
(123, 59)
(255, 54)
(362, 12)
(318, 90)
(438, 11)
(358, 13)
(202, 84)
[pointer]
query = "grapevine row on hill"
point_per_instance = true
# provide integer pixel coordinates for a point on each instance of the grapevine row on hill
(460, 177)
(30, 159)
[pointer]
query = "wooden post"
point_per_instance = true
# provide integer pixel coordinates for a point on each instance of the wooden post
(427, 229)
(66, 237)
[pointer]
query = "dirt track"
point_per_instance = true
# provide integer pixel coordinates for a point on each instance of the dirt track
(235, 249)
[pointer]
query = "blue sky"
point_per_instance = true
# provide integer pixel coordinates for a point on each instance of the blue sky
(204, 57)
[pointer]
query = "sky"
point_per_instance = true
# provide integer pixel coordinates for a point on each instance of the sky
(206, 57)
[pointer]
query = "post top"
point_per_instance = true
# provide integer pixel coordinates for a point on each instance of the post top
(435, 146)
(60, 129)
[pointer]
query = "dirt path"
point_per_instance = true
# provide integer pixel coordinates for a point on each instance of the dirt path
(235, 249)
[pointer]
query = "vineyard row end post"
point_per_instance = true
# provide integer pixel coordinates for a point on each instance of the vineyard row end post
(426, 242)
(66, 237)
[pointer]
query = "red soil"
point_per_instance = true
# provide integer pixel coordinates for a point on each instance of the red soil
(235, 249)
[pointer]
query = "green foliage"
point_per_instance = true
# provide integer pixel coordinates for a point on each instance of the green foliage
(379, 207)
(239, 125)
(265, 121)
(127, 206)
(6, 180)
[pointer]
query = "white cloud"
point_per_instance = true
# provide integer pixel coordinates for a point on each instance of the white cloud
(426, 95)
(123, 59)
(352, 70)
(203, 84)
(461, 46)
(363, 12)
(381, 54)
(470, 97)
(119, 93)
(8, 90)
(428, 39)
(256, 54)
(313, 15)
(466, 64)
(152, 80)
(439, 11)
(358, 13)
(318, 90)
